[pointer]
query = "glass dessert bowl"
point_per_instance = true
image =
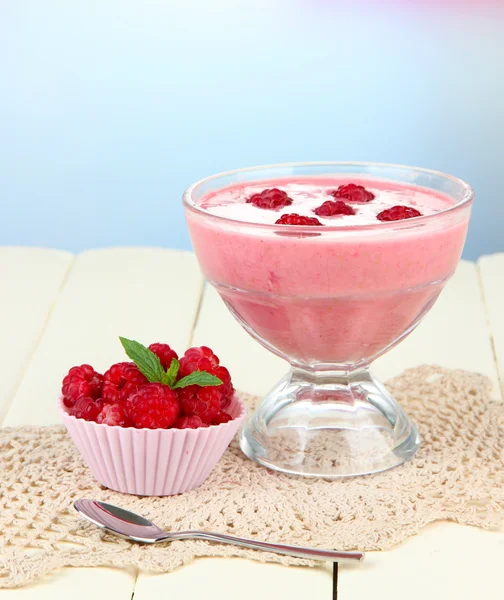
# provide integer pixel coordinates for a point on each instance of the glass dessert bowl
(329, 299)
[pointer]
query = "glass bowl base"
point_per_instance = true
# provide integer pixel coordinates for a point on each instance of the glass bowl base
(329, 424)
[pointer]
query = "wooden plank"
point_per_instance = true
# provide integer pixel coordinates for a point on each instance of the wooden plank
(491, 270)
(217, 328)
(446, 560)
(453, 335)
(150, 295)
(445, 338)
(30, 281)
(98, 583)
(223, 579)
(145, 294)
(237, 350)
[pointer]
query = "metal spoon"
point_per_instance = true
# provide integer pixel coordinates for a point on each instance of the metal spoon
(133, 527)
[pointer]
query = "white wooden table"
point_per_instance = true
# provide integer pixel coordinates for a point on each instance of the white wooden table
(59, 310)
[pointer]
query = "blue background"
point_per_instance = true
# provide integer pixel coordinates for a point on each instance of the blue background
(109, 109)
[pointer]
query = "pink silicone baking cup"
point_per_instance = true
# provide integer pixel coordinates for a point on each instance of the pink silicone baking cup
(152, 462)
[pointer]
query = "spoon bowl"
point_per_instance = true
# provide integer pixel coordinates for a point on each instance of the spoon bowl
(117, 520)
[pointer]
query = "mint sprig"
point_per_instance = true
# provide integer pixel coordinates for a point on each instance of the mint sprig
(202, 378)
(170, 376)
(147, 362)
(150, 366)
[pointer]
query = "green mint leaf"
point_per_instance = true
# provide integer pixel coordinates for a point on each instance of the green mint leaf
(171, 375)
(146, 361)
(201, 378)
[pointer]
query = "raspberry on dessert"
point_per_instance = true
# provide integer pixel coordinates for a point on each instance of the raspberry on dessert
(114, 414)
(197, 359)
(121, 380)
(221, 417)
(398, 213)
(193, 422)
(79, 382)
(295, 219)
(204, 402)
(164, 353)
(353, 193)
(86, 408)
(334, 207)
(270, 199)
(154, 406)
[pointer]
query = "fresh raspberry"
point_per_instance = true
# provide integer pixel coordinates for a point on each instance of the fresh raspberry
(221, 417)
(193, 422)
(114, 414)
(164, 353)
(154, 406)
(226, 389)
(398, 213)
(197, 359)
(81, 381)
(270, 199)
(121, 380)
(353, 193)
(295, 219)
(334, 207)
(203, 359)
(204, 402)
(86, 408)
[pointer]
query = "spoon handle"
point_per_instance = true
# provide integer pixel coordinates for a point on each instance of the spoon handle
(298, 551)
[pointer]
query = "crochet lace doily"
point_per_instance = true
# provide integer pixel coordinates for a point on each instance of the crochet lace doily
(457, 475)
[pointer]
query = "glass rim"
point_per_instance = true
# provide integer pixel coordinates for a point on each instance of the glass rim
(467, 198)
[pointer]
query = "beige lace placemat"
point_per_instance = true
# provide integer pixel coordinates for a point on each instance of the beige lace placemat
(457, 475)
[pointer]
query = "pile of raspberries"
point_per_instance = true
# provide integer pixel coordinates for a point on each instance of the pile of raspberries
(125, 397)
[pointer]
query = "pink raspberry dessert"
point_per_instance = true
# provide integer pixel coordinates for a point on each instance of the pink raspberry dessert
(328, 265)
(345, 294)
